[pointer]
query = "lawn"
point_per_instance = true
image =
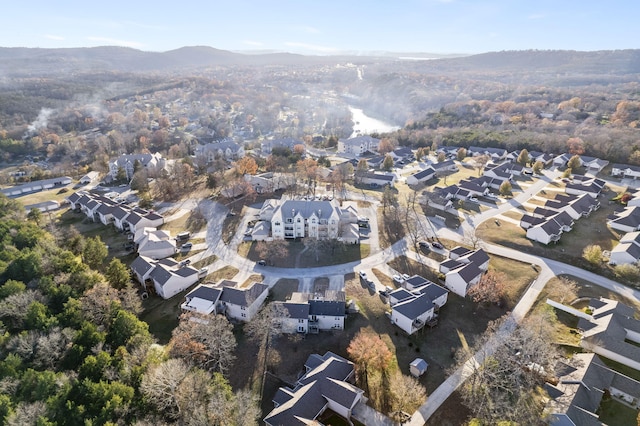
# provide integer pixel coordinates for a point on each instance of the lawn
(283, 289)
(586, 231)
(204, 262)
(253, 278)
(162, 315)
(187, 222)
(612, 412)
(56, 194)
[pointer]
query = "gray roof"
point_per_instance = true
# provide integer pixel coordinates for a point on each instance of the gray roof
(160, 274)
(401, 294)
(468, 272)
(459, 251)
(301, 405)
(433, 291)
(429, 171)
(120, 212)
(204, 292)
(443, 165)
(141, 265)
(417, 281)
(243, 297)
(415, 307)
(327, 307)
(478, 257)
(323, 209)
(297, 310)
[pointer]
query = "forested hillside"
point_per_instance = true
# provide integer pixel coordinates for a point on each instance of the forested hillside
(73, 351)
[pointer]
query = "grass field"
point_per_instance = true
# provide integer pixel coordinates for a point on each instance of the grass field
(343, 254)
(56, 194)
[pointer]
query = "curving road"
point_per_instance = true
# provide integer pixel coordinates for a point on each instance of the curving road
(227, 254)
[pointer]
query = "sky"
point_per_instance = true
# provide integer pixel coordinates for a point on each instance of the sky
(324, 27)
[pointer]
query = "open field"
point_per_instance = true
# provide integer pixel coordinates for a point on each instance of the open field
(56, 194)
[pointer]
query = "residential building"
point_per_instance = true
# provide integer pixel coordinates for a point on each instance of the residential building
(225, 148)
(628, 220)
(413, 314)
(296, 318)
(421, 176)
(89, 178)
(324, 385)
(612, 332)
(358, 145)
(546, 232)
(444, 166)
(496, 154)
(625, 171)
(461, 279)
(242, 304)
(622, 253)
(310, 218)
(169, 277)
(375, 179)
(203, 299)
(156, 244)
(153, 163)
(326, 315)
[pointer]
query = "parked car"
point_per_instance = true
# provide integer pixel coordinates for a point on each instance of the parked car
(437, 245)
(262, 262)
(398, 279)
(423, 245)
(186, 246)
(363, 275)
(185, 262)
(406, 276)
(203, 272)
(473, 199)
(371, 284)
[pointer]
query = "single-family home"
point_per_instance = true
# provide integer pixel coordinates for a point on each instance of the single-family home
(591, 187)
(612, 332)
(325, 385)
(326, 315)
(624, 253)
(402, 153)
(545, 232)
(105, 213)
(265, 183)
(421, 176)
(562, 160)
(593, 165)
(400, 295)
(628, 220)
(413, 314)
(496, 154)
(625, 171)
(155, 244)
(528, 220)
(358, 145)
(73, 200)
(375, 179)
(461, 279)
(437, 201)
(142, 267)
(203, 300)
(444, 167)
(242, 304)
(474, 188)
(170, 277)
(296, 317)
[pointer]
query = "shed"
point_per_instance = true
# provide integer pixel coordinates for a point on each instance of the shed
(418, 367)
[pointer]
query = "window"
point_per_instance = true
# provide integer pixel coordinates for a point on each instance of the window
(243, 315)
(300, 320)
(276, 223)
(244, 308)
(289, 220)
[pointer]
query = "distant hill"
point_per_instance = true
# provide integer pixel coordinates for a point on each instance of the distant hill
(35, 61)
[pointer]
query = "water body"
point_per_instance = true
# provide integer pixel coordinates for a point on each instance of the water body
(364, 125)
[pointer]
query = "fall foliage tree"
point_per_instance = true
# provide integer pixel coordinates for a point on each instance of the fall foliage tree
(204, 341)
(523, 158)
(575, 146)
(490, 289)
(505, 188)
(593, 254)
(537, 167)
(387, 163)
(461, 154)
(574, 162)
(246, 166)
(370, 353)
(385, 146)
(441, 157)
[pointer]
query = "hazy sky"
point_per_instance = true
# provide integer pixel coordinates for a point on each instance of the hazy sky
(324, 26)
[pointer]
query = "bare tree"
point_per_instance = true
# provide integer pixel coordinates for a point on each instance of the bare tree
(563, 289)
(160, 386)
(471, 239)
(204, 341)
(509, 365)
(406, 395)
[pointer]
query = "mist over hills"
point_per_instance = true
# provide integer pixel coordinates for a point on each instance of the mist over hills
(37, 61)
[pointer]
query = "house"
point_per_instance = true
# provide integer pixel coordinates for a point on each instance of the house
(580, 384)
(119, 214)
(438, 295)
(226, 148)
(625, 253)
(358, 145)
(502, 171)
(458, 251)
(461, 279)
(421, 176)
(153, 163)
(545, 232)
(413, 314)
(296, 318)
(414, 282)
(268, 145)
(89, 178)
(527, 221)
(496, 154)
(141, 268)
(375, 179)
(576, 206)
(265, 183)
(242, 304)
(591, 187)
(627, 220)
(156, 244)
(139, 218)
(324, 385)
(562, 160)
(612, 331)
(203, 299)
(403, 154)
(326, 315)
(105, 213)
(308, 218)
(439, 202)
(170, 278)
(594, 165)
(473, 188)
(444, 166)
(36, 186)
(625, 171)
(73, 200)
(400, 295)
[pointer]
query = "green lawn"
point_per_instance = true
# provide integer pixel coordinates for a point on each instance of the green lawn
(612, 412)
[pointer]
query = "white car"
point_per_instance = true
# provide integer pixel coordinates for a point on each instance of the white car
(363, 275)
(398, 279)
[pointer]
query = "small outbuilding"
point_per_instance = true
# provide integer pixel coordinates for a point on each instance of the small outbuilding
(418, 367)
